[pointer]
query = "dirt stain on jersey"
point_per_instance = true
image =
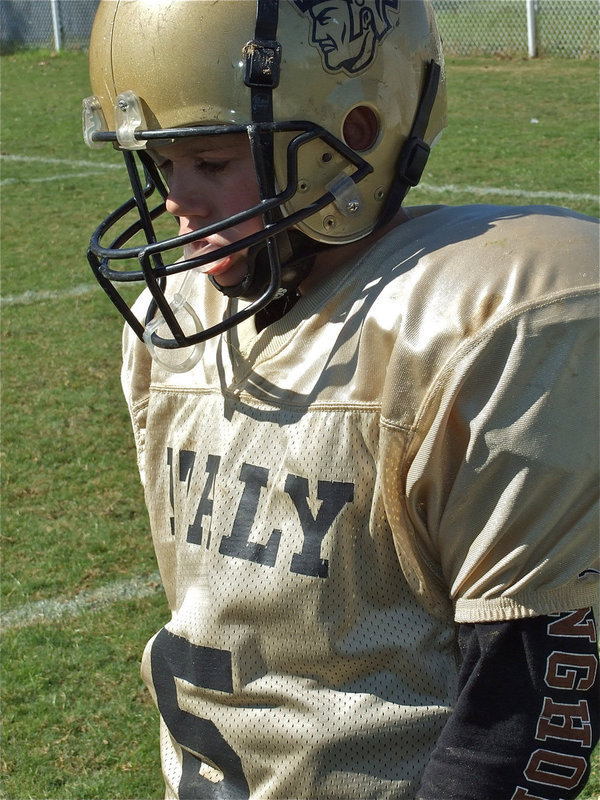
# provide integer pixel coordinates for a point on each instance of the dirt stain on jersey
(483, 312)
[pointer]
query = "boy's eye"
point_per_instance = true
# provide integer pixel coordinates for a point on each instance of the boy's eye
(202, 165)
(211, 167)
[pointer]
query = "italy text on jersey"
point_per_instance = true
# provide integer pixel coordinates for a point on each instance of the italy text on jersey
(332, 495)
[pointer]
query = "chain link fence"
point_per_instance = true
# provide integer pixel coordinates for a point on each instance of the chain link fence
(53, 24)
(568, 28)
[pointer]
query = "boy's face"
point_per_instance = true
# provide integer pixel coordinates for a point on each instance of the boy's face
(211, 178)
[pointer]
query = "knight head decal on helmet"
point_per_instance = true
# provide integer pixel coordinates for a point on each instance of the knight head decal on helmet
(347, 32)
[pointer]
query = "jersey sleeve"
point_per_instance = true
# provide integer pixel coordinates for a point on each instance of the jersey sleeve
(525, 721)
(501, 472)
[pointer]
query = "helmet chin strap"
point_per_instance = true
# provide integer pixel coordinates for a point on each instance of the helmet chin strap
(297, 252)
(415, 151)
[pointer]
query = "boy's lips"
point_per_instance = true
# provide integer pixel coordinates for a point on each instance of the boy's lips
(204, 248)
(233, 264)
(219, 267)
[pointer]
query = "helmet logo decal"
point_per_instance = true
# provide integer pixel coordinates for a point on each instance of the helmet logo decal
(347, 32)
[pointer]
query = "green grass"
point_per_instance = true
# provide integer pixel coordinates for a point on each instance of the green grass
(77, 721)
(526, 126)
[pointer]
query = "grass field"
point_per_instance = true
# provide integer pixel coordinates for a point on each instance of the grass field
(80, 593)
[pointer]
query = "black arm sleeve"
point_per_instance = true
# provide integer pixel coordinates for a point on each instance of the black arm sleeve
(526, 716)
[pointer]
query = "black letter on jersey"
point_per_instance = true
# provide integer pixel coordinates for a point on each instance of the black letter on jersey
(238, 544)
(334, 497)
(171, 493)
(205, 506)
(186, 467)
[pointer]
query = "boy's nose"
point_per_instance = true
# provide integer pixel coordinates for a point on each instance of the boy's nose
(186, 198)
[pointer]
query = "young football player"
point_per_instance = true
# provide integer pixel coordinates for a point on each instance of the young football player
(366, 432)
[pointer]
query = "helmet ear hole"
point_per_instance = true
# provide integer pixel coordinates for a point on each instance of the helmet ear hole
(361, 128)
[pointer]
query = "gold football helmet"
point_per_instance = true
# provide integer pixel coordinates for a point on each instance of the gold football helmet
(288, 73)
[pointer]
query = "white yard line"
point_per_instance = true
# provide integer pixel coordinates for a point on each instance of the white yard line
(497, 190)
(31, 298)
(92, 168)
(63, 177)
(53, 610)
(65, 162)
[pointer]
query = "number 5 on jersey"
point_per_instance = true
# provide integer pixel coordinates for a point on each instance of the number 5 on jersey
(201, 741)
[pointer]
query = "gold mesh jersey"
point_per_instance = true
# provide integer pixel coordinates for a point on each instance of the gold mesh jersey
(412, 446)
